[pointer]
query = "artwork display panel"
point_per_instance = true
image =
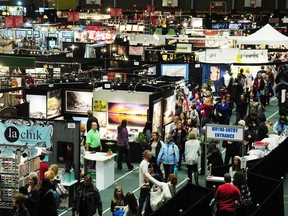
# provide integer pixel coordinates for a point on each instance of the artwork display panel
(78, 102)
(135, 114)
(168, 109)
(54, 103)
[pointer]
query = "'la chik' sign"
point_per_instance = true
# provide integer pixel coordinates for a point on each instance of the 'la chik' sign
(225, 132)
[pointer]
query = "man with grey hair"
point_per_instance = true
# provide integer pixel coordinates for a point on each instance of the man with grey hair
(91, 119)
(226, 197)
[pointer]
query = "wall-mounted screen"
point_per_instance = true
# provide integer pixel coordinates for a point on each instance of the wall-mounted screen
(135, 114)
(37, 106)
(157, 116)
(78, 102)
(169, 105)
(54, 103)
(181, 70)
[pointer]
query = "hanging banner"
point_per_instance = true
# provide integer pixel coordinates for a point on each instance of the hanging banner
(18, 21)
(73, 16)
(115, 12)
(9, 22)
(23, 132)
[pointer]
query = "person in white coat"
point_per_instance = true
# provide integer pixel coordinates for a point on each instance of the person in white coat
(192, 153)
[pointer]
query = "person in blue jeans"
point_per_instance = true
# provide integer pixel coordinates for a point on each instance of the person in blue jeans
(169, 156)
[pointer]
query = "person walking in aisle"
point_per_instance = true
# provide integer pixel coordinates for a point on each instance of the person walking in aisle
(192, 153)
(123, 146)
(144, 186)
(118, 200)
(87, 199)
(169, 156)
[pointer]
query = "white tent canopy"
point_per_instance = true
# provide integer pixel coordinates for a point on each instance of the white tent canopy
(265, 35)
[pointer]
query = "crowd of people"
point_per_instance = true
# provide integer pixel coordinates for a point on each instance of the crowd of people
(184, 145)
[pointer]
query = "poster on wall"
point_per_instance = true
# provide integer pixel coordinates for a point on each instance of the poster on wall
(179, 70)
(169, 105)
(135, 114)
(37, 106)
(54, 103)
(157, 116)
(214, 73)
(78, 102)
(100, 106)
(102, 118)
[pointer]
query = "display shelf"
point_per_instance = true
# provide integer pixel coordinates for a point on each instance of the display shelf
(69, 184)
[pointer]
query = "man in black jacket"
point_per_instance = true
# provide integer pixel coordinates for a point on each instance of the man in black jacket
(91, 119)
(87, 199)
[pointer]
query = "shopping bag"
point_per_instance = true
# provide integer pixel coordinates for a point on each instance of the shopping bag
(157, 198)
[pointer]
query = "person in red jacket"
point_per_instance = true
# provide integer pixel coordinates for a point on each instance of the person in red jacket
(226, 197)
(43, 167)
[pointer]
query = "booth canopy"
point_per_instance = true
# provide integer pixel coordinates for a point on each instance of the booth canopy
(265, 35)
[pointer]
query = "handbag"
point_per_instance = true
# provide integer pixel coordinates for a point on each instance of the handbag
(157, 198)
(61, 191)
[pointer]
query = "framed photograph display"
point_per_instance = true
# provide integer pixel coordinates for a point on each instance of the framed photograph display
(157, 116)
(135, 114)
(78, 102)
(54, 103)
(181, 70)
(37, 106)
(168, 109)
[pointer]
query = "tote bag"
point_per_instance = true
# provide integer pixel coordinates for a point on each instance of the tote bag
(157, 198)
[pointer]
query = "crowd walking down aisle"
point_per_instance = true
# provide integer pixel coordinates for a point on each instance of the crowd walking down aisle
(129, 179)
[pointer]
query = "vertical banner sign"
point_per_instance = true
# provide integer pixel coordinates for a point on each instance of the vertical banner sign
(115, 12)
(150, 8)
(73, 16)
(9, 22)
(18, 21)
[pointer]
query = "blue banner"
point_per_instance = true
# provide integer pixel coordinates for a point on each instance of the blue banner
(15, 133)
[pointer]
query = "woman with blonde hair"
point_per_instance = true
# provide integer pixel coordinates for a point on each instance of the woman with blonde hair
(33, 195)
(207, 110)
(192, 153)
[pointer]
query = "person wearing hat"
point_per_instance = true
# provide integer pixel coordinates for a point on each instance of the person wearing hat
(248, 136)
(169, 156)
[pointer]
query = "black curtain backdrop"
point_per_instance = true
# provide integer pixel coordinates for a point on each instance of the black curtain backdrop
(264, 181)
(186, 198)
(268, 193)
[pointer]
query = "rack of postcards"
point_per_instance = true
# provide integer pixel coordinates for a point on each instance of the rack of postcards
(15, 166)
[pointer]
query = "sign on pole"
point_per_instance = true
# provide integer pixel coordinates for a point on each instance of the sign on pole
(225, 132)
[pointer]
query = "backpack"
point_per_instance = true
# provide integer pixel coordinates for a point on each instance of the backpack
(256, 108)
(56, 198)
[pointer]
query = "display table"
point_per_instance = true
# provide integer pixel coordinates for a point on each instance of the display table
(104, 168)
